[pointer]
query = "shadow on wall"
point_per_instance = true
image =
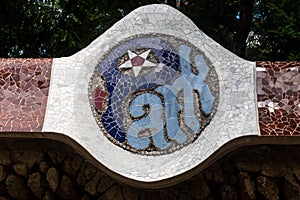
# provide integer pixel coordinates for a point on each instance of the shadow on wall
(45, 169)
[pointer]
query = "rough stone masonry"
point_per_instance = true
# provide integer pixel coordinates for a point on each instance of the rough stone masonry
(49, 170)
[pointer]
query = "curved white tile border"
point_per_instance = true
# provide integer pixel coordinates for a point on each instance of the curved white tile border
(69, 113)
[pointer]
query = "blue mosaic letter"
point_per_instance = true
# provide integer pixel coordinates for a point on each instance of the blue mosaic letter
(139, 131)
(188, 82)
(152, 124)
(172, 107)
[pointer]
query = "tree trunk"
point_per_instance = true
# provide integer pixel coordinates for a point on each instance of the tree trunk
(221, 11)
(245, 21)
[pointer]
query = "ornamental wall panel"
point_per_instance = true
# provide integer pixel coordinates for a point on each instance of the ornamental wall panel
(151, 101)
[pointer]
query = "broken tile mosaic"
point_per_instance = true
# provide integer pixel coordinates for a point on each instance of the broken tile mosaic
(278, 96)
(153, 94)
(24, 87)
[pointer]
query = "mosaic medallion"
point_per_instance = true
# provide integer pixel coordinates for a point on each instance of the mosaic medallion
(153, 94)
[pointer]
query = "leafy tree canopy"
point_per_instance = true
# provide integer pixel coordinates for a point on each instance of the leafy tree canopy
(253, 29)
(275, 30)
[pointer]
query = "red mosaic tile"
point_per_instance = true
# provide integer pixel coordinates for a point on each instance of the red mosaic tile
(137, 61)
(278, 96)
(99, 98)
(24, 88)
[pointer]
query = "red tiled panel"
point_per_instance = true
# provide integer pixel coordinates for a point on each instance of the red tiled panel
(24, 87)
(278, 96)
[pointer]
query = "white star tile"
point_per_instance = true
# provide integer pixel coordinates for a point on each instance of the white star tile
(145, 54)
(149, 64)
(126, 64)
(131, 54)
(137, 69)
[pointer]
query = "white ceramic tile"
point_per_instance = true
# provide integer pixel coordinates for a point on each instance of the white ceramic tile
(68, 110)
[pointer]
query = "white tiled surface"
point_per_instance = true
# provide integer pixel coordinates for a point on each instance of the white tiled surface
(68, 110)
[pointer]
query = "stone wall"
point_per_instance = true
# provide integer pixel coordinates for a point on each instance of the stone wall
(44, 169)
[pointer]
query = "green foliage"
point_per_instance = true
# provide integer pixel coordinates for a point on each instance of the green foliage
(56, 28)
(275, 31)
(214, 18)
(51, 28)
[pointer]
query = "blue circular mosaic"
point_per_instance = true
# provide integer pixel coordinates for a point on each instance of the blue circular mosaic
(153, 94)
